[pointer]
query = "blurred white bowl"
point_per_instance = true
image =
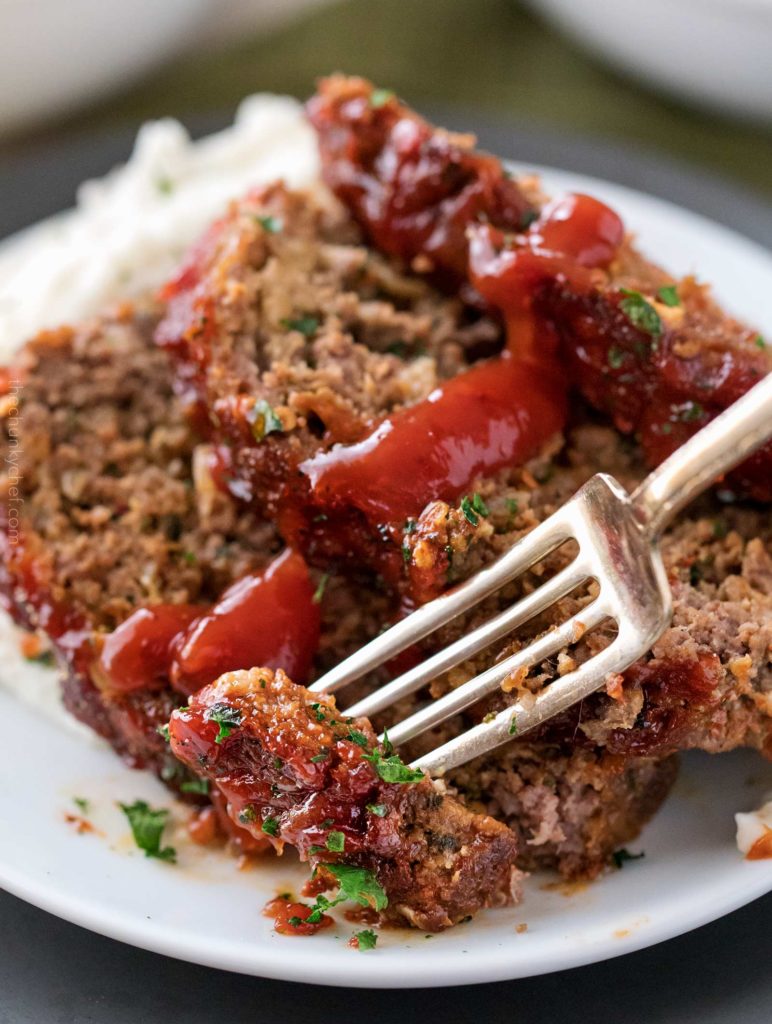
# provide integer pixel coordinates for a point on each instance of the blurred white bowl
(55, 54)
(715, 52)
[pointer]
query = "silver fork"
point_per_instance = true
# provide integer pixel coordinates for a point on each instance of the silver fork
(617, 535)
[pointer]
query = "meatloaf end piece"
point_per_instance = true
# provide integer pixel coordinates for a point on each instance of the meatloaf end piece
(656, 354)
(107, 508)
(291, 769)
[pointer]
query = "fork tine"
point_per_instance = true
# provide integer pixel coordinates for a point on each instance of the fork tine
(524, 553)
(465, 647)
(557, 696)
(487, 682)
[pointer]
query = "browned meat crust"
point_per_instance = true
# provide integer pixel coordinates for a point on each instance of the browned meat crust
(293, 770)
(662, 367)
(101, 513)
(707, 682)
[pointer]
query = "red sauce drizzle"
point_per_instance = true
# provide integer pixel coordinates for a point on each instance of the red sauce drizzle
(496, 414)
(267, 618)
(573, 236)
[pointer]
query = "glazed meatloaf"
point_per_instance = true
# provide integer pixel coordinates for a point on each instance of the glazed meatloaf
(293, 770)
(293, 339)
(111, 526)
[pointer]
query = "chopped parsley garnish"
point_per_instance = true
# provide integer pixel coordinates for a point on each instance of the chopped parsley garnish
(513, 726)
(269, 224)
(163, 730)
(410, 525)
(365, 939)
(473, 508)
(527, 218)
(147, 826)
(379, 810)
(278, 764)
(316, 707)
(640, 312)
(357, 884)
(336, 842)
(357, 737)
(616, 357)
(621, 856)
(307, 325)
(189, 557)
(691, 411)
(668, 294)
(195, 786)
(82, 804)
(226, 716)
(759, 341)
(406, 553)
(393, 768)
(512, 506)
(321, 586)
(165, 186)
(380, 97)
(43, 657)
(248, 815)
(264, 420)
(270, 826)
(317, 758)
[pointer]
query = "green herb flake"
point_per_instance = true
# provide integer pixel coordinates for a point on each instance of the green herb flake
(316, 707)
(163, 730)
(406, 553)
(307, 325)
(264, 420)
(278, 764)
(410, 525)
(720, 529)
(359, 885)
(336, 842)
(615, 357)
(82, 804)
(147, 826)
(393, 768)
(318, 758)
(380, 97)
(365, 940)
(691, 411)
(195, 786)
(513, 726)
(357, 737)
(165, 186)
(248, 815)
(44, 657)
(226, 717)
(668, 294)
(759, 342)
(271, 225)
(270, 826)
(379, 810)
(321, 586)
(512, 506)
(473, 508)
(527, 218)
(640, 312)
(620, 857)
(295, 921)
(314, 849)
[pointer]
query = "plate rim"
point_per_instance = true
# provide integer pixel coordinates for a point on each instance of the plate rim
(499, 964)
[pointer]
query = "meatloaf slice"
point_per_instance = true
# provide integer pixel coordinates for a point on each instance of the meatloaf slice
(107, 509)
(657, 354)
(707, 683)
(293, 770)
(297, 341)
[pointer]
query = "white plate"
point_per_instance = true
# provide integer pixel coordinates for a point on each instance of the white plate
(205, 911)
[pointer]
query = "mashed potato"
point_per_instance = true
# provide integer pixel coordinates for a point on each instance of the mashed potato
(129, 229)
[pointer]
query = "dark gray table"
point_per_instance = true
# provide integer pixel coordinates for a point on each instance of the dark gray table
(52, 972)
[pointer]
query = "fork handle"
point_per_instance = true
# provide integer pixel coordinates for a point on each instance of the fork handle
(725, 442)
